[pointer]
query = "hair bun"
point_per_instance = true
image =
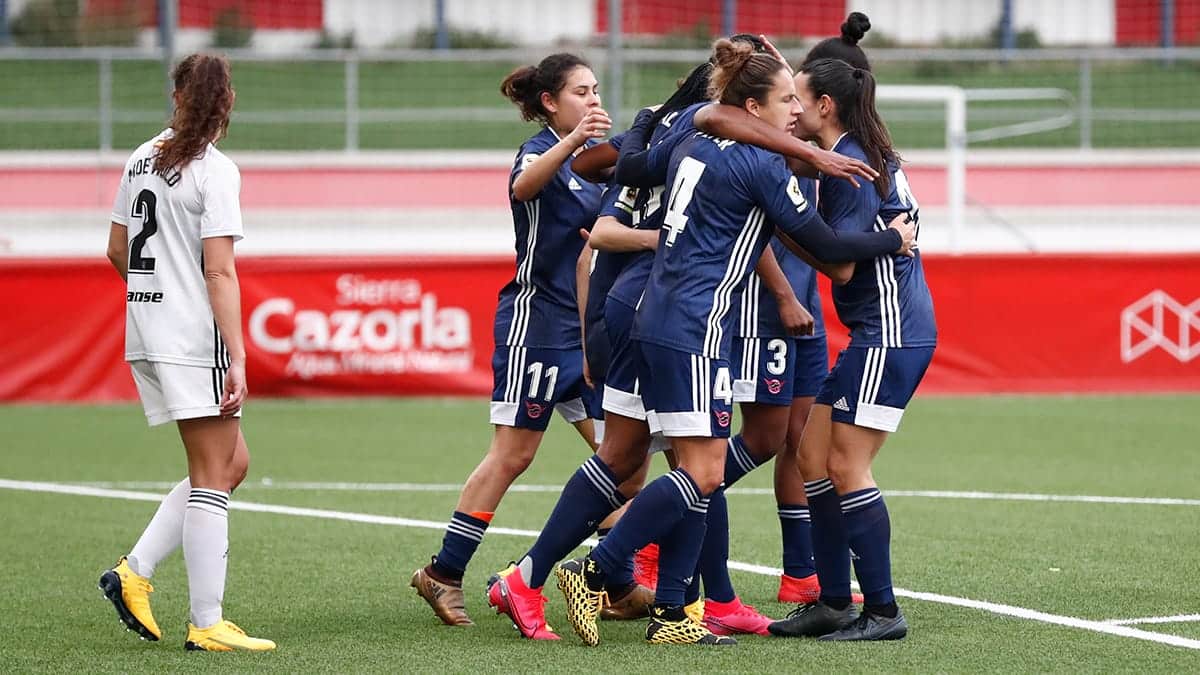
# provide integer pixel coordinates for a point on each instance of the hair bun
(730, 55)
(855, 27)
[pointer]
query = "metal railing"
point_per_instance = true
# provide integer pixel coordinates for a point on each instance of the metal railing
(1071, 108)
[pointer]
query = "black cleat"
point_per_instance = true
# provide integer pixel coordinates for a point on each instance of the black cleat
(813, 619)
(870, 627)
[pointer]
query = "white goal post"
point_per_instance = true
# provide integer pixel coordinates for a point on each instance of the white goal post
(955, 101)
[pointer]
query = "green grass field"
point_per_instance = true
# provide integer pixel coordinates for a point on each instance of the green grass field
(317, 86)
(334, 594)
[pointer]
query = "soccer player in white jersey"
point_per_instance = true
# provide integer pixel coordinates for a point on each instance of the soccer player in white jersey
(174, 222)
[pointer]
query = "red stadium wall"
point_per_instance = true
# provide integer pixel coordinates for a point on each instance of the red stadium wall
(659, 17)
(407, 326)
(1139, 22)
(262, 14)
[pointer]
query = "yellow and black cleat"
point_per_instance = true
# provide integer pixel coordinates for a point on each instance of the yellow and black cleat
(695, 611)
(583, 603)
(683, 631)
(224, 636)
(130, 594)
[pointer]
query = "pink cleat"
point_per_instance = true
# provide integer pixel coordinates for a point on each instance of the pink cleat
(524, 605)
(734, 618)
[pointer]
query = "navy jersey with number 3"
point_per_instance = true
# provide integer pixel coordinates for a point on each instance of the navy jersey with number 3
(538, 307)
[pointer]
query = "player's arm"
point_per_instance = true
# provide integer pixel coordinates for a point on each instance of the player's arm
(795, 318)
(596, 163)
(583, 281)
(641, 167)
(224, 295)
(778, 192)
(609, 234)
(839, 273)
(734, 123)
(539, 171)
(118, 248)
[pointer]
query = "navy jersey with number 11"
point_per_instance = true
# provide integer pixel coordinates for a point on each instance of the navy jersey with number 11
(538, 308)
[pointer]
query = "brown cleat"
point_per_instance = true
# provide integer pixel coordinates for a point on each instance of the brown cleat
(446, 599)
(635, 604)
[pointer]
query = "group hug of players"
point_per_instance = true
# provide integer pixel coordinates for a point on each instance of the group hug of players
(680, 257)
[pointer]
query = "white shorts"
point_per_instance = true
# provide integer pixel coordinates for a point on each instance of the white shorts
(172, 392)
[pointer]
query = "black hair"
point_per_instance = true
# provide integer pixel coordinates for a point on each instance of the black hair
(853, 90)
(525, 85)
(846, 46)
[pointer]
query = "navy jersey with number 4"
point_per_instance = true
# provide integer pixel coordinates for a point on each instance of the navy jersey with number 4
(886, 303)
(723, 202)
(538, 308)
(757, 311)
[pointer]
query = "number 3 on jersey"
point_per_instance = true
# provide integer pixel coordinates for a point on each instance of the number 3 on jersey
(686, 177)
(144, 206)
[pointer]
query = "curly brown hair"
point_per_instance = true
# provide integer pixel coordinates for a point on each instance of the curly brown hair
(204, 91)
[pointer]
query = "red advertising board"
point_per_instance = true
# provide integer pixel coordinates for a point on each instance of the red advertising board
(350, 326)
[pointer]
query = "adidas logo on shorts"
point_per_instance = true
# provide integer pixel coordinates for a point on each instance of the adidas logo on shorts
(842, 405)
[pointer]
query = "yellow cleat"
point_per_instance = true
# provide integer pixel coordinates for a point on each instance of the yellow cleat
(685, 631)
(130, 594)
(224, 636)
(695, 611)
(583, 604)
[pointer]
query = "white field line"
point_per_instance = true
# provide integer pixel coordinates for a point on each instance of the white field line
(994, 608)
(267, 483)
(1178, 618)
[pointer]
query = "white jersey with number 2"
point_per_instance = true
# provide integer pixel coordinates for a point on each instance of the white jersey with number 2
(168, 317)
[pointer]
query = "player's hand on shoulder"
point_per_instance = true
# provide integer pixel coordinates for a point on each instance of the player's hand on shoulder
(907, 227)
(234, 394)
(837, 165)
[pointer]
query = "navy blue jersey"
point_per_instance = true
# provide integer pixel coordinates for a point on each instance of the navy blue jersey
(722, 200)
(618, 202)
(755, 307)
(538, 308)
(631, 283)
(886, 303)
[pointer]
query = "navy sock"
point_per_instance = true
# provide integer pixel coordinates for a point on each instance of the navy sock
(796, 526)
(621, 579)
(586, 500)
(831, 548)
(692, 594)
(463, 535)
(714, 555)
(869, 532)
(654, 512)
(679, 552)
(738, 461)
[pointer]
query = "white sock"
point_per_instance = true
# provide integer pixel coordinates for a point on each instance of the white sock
(205, 545)
(164, 534)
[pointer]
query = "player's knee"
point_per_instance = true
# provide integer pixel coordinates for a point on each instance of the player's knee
(763, 443)
(843, 469)
(238, 470)
(708, 478)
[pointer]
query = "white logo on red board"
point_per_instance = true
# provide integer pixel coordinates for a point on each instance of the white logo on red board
(1159, 320)
(379, 327)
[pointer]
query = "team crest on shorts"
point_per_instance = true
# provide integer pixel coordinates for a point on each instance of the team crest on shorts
(534, 410)
(723, 418)
(774, 386)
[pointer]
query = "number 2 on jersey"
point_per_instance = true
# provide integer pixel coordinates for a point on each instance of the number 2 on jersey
(144, 206)
(686, 177)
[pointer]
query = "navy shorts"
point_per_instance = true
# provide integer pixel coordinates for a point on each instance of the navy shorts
(764, 370)
(622, 390)
(686, 395)
(870, 386)
(812, 366)
(528, 383)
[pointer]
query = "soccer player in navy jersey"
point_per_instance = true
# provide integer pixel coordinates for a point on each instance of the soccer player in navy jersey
(889, 311)
(537, 363)
(723, 203)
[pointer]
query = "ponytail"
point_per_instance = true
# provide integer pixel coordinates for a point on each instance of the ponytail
(740, 72)
(204, 103)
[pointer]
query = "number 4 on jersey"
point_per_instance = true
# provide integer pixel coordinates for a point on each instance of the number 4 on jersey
(686, 178)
